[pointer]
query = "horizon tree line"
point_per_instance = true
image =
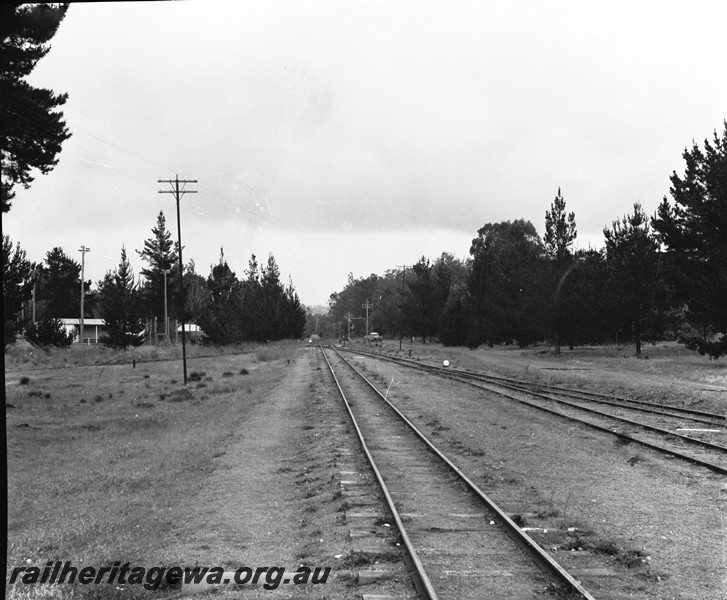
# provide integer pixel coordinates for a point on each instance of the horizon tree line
(227, 310)
(659, 277)
(656, 277)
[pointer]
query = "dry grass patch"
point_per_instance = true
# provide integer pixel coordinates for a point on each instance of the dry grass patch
(98, 473)
(22, 355)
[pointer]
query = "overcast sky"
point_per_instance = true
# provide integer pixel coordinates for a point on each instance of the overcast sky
(355, 136)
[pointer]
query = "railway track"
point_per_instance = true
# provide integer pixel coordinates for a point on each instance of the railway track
(459, 542)
(684, 433)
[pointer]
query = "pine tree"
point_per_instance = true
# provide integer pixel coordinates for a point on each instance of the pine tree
(560, 233)
(634, 279)
(586, 299)
(272, 299)
(59, 284)
(120, 306)
(455, 317)
(560, 229)
(507, 284)
(17, 273)
(195, 292)
(161, 254)
(221, 315)
(421, 309)
(32, 130)
(694, 232)
(253, 313)
(258, 308)
(295, 313)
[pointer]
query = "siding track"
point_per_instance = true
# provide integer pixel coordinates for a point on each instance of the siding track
(461, 545)
(684, 433)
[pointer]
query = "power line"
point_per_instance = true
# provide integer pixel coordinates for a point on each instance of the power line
(228, 205)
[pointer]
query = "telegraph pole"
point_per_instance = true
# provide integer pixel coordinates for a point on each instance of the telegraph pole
(367, 305)
(166, 318)
(83, 251)
(35, 281)
(178, 193)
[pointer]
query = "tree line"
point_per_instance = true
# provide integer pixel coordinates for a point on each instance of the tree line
(658, 277)
(228, 311)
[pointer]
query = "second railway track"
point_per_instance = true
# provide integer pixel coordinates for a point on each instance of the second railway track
(657, 428)
(461, 544)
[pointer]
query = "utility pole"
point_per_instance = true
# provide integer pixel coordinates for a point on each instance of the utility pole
(178, 193)
(367, 305)
(35, 281)
(349, 318)
(83, 251)
(166, 319)
(403, 268)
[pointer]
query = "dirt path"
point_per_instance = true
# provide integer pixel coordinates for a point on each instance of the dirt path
(265, 504)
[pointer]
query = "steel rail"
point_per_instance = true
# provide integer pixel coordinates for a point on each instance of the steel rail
(692, 459)
(420, 578)
(607, 399)
(523, 386)
(541, 557)
(646, 426)
(525, 390)
(645, 407)
(700, 416)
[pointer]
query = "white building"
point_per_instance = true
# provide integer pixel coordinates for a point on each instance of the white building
(191, 330)
(93, 329)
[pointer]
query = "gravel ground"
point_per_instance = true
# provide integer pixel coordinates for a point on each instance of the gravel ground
(657, 525)
(271, 499)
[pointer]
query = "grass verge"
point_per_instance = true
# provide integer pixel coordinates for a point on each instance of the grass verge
(99, 469)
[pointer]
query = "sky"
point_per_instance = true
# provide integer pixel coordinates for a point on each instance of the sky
(357, 136)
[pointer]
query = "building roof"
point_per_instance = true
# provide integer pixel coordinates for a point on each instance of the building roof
(86, 321)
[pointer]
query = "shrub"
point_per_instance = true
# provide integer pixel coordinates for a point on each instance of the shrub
(49, 332)
(181, 395)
